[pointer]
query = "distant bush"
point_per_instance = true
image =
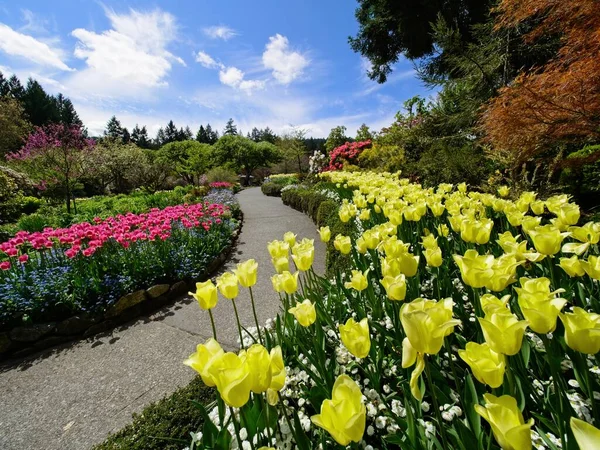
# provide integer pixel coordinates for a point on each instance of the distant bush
(275, 183)
(221, 174)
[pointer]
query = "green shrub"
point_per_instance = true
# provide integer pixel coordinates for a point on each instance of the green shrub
(221, 174)
(271, 189)
(325, 210)
(33, 222)
(166, 424)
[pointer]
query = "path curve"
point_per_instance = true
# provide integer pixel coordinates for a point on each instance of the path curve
(71, 397)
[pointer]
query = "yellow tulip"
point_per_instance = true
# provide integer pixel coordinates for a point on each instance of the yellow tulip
(325, 234)
(588, 233)
(286, 282)
(281, 264)
(247, 273)
(569, 213)
(529, 223)
(427, 322)
(289, 238)
(592, 267)
(555, 202)
(303, 254)
(537, 207)
(582, 330)
(503, 191)
(491, 303)
(462, 187)
(278, 249)
(395, 286)
(344, 416)
(206, 294)
(206, 354)
(394, 248)
(259, 362)
(505, 418)
(476, 231)
(487, 365)
(433, 256)
(539, 306)
(409, 264)
(355, 337)
(305, 313)
(365, 214)
(429, 241)
(504, 273)
(361, 245)
(342, 244)
(228, 285)
(443, 230)
(476, 270)
(358, 281)
(277, 368)
(586, 435)
(514, 217)
(547, 239)
(395, 216)
(371, 239)
(503, 331)
(437, 209)
(346, 212)
(572, 266)
(232, 377)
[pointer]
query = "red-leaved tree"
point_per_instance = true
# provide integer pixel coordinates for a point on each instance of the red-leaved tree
(55, 154)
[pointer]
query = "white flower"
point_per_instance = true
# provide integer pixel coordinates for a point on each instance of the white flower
(243, 434)
(425, 407)
(370, 430)
(380, 422)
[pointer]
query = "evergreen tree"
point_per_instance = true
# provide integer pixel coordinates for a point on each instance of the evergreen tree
(188, 134)
(66, 111)
(255, 135)
(364, 134)
(171, 133)
(16, 88)
(211, 136)
(4, 87)
(113, 129)
(139, 136)
(161, 138)
(267, 135)
(40, 107)
(201, 136)
(126, 136)
(230, 129)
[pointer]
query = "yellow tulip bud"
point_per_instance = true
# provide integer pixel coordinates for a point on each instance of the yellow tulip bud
(365, 214)
(371, 239)
(358, 281)
(529, 223)
(490, 303)
(592, 267)
(304, 313)
(409, 264)
(289, 238)
(395, 287)
(476, 270)
(487, 365)
(569, 213)
(572, 266)
(278, 249)
(303, 255)
(286, 282)
(547, 239)
(462, 187)
(537, 207)
(539, 306)
(228, 285)
(325, 234)
(232, 377)
(429, 241)
(503, 331)
(503, 191)
(206, 294)
(346, 212)
(437, 208)
(504, 416)
(355, 337)
(247, 273)
(586, 435)
(206, 354)
(427, 322)
(443, 230)
(344, 416)
(342, 244)
(277, 368)
(476, 231)
(433, 256)
(259, 363)
(281, 264)
(582, 330)
(394, 216)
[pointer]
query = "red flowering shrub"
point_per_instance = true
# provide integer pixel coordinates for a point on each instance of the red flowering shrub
(346, 154)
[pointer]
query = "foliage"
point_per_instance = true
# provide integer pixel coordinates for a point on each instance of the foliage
(293, 150)
(230, 128)
(189, 159)
(382, 156)
(275, 183)
(515, 284)
(165, 424)
(242, 154)
(364, 134)
(207, 135)
(87, 267)
(221, 173)
(14, 125)
(55, 154)
(337, 136)
(347, 153)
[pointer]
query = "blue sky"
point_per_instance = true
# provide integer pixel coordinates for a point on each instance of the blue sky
(263, 62)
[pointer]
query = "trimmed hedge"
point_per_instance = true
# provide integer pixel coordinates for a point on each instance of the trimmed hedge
(272, 189)
(166, 424)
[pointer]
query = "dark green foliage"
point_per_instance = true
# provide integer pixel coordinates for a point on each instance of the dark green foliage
(166, 424)
(114, 130)
(40, 107)
(271, 189)
(139, 136)
(230, 128)
(326, 210)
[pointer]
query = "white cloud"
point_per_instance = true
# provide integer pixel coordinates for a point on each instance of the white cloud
(220, 32)
(33, 23)
(207, 61)
(129, 58)
(287, 65)
(234, 77)
(24, 46)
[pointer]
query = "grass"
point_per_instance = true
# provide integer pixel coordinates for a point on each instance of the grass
(166, 424)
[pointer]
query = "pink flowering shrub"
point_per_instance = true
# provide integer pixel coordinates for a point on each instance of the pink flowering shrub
(346, 154)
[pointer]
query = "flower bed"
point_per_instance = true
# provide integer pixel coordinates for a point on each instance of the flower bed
(468, 321)
(87, 267)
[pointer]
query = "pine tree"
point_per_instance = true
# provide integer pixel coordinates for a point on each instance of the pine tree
(66, 111)
(161, 138)
(255, 135)
(126, 136)
(201, 136)
(171, 132)
(267, 135)
(230, 129)
(4, 87)
(40, 107)
(211, 136)
(16, 88)
(113, 129)
(188, 133)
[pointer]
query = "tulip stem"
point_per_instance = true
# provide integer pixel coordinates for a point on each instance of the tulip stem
(557, 390)
(212, 323)
(236, 426)
(237, 318)
(435, 404)
(255, 317)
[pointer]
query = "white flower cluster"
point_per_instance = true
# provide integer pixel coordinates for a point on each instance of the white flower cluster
(330, 194)
(317, 161)
(539, 444)
(289, 187)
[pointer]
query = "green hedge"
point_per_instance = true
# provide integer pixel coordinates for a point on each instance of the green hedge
(271, 189)
(166, 424)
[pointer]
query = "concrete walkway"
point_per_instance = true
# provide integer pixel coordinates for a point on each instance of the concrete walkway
(71, 397)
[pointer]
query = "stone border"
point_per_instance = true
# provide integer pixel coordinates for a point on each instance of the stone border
(24, 340)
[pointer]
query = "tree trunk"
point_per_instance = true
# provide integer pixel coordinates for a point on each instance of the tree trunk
(248, 177)
(68, 193)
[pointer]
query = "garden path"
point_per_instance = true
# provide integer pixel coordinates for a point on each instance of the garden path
(71, 397)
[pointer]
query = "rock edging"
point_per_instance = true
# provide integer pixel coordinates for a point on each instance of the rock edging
(27, 339)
